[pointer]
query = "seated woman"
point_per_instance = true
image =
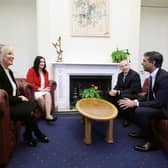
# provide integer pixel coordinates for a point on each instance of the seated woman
(38, 77)
(20, 108)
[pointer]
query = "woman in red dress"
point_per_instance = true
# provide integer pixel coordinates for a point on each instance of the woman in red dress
(38, 77)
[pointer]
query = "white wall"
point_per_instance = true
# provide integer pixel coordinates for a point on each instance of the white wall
(124, 28)
(18, 29)
(31, 26)
(154, 31)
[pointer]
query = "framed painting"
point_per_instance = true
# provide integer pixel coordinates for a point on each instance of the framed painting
(90, 18)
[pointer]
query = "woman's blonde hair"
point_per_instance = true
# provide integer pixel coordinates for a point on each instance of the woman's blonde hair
(1, 46)
(5, 48)
(1, 49)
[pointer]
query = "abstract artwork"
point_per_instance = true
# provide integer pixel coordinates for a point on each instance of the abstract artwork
(90, 18)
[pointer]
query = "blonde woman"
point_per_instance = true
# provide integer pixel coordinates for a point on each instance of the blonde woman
(20, 108)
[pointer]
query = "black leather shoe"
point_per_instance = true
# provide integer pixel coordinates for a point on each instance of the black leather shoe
(29, 140)
(139, 135)
(41, 137)
(148, 146)
(125, 123)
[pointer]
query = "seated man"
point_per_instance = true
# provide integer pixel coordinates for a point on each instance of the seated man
(151, 105)
(128, 85)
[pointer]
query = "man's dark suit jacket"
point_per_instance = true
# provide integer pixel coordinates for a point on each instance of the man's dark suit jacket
(132, 85)
(6, 85)
(160, 90)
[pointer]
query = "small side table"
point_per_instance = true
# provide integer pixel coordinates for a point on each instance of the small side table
(99, 110)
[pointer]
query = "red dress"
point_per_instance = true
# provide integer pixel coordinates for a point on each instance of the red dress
(35, 80)
(40, 81)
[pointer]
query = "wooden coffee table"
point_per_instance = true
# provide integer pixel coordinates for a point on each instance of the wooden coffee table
(99, 110)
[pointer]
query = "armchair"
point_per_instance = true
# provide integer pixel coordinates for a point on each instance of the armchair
(8, 130)
(27, 90)
(160, 129)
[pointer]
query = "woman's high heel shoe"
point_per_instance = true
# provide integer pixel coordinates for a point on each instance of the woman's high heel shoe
(41, 137)
(51, 119)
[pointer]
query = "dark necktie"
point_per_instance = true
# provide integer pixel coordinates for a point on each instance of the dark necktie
(150, 92)
(124, 76)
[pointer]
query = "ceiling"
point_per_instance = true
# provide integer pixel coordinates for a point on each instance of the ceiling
(155, 3)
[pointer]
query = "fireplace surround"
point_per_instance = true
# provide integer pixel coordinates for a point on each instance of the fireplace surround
(80, 82)
(63, 71)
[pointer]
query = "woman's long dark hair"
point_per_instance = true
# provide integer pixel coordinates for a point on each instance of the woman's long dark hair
(36, 65)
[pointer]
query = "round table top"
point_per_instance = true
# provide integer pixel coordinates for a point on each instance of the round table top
(97, 109)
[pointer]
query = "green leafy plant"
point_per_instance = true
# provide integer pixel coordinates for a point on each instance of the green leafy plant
(119, 55)
(91, 92)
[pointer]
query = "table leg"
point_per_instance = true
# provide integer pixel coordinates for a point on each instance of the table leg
(109, 132)
(87, 138)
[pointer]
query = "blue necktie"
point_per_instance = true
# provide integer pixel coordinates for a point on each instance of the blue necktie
(150, 92)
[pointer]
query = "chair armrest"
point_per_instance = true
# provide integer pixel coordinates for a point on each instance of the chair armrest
(4, 105)
(8, 130)
(5, 129)
(53, 86)
(144, 88)
(25, 88)
(145, 85)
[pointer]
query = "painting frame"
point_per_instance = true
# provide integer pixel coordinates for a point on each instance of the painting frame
(90, 18)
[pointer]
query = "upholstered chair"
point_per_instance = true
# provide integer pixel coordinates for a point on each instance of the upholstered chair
(27, 90)
(8, 130)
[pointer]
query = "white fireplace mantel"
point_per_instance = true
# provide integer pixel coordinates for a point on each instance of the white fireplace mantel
(62, 72)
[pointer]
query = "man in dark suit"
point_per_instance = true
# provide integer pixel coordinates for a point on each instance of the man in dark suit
(128, 85)
(152, 104)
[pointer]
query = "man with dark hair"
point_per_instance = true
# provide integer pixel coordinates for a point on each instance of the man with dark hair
(151, 105)
(128, 85)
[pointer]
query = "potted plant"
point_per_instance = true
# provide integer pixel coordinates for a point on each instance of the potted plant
(120, 54)
(91, 92)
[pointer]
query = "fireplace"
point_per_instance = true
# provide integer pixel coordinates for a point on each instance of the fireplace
(80, 82)
(64, 72)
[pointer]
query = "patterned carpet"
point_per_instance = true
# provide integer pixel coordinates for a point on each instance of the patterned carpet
(67, 150)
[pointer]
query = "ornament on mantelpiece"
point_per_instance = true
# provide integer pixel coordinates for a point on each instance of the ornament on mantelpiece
(59, 51)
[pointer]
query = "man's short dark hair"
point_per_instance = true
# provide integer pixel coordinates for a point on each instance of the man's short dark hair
(154, 56)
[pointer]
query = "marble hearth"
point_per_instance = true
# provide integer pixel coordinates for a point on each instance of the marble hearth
(63, 71)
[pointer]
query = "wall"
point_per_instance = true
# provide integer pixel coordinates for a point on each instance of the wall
(154, 31)
(18, 29)
(54, 19)
(31, 26)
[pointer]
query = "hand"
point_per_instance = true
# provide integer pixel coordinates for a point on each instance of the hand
(113, 92)
(47, 89)
(23, 98)
(126, 103)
